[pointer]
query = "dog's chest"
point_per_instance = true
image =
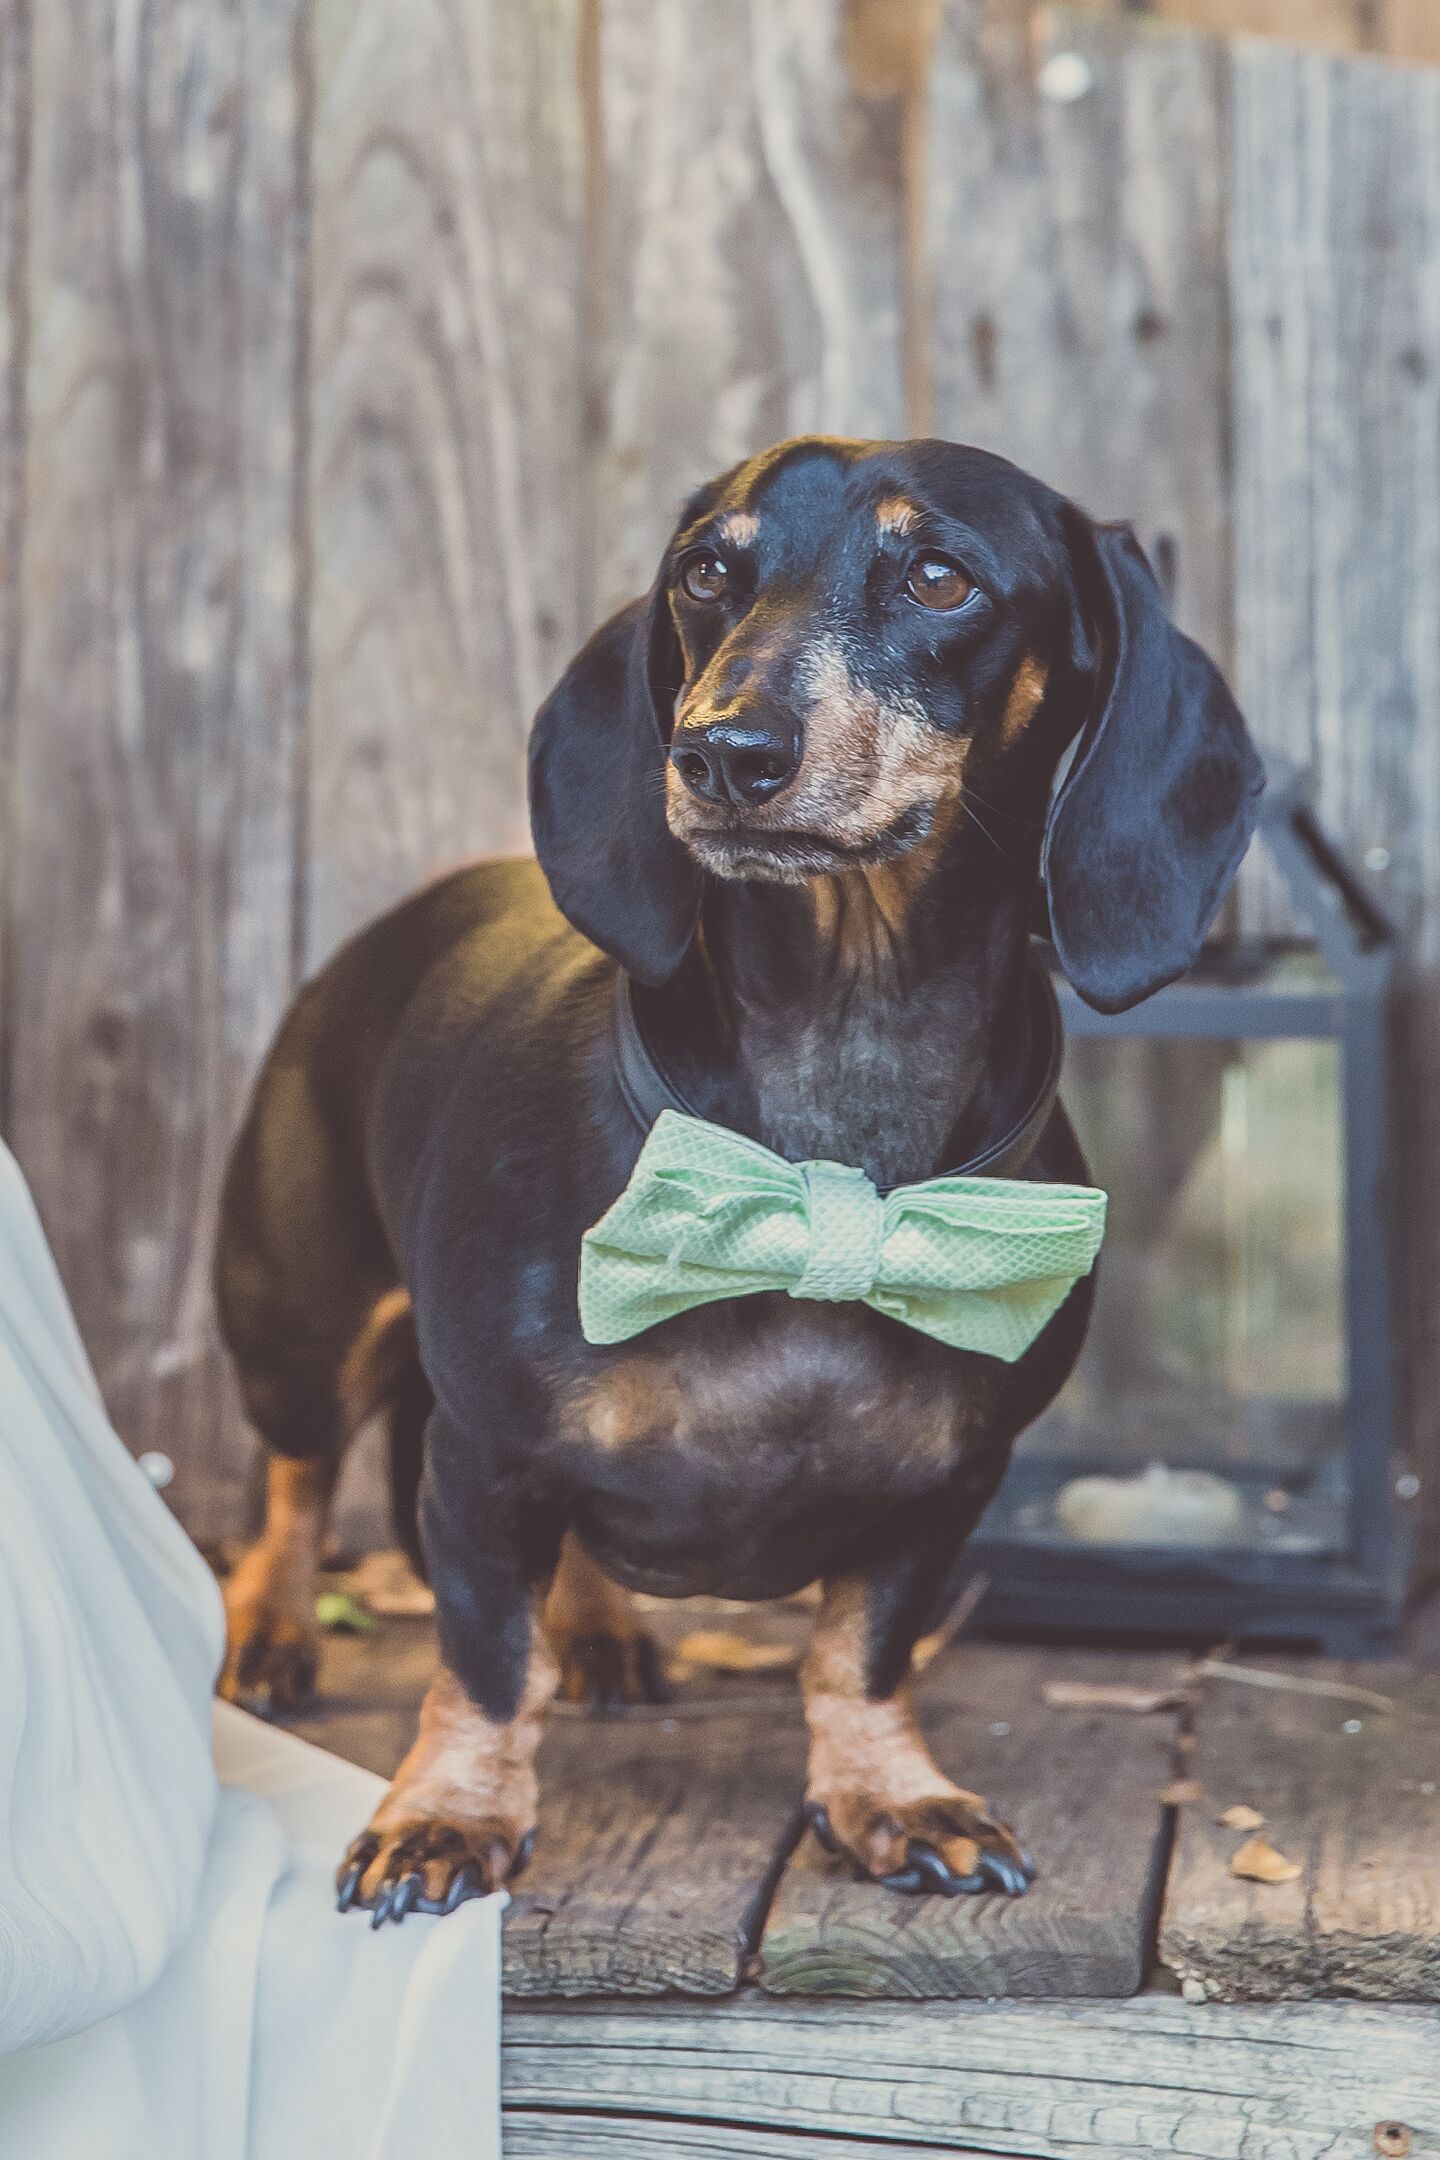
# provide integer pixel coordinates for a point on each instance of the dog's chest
(787, 1396)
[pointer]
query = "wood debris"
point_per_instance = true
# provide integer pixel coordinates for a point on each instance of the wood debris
(1241, 1817)
(1256, 1861)
(1292, 1683)
(711, 1650)
(1110, 1695)
(1181, 1792)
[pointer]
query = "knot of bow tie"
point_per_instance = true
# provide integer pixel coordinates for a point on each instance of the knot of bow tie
(978, 1263)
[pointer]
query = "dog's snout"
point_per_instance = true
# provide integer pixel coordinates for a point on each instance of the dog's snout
(729, 762)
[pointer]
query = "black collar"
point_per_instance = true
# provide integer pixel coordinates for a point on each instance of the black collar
(648, 1089)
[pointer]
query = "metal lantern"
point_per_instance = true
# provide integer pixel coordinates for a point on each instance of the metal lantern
(1225, 1459)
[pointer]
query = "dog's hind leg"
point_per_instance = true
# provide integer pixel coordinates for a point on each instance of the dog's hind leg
(271, 1637)
(320, 1339)
(604, 1655)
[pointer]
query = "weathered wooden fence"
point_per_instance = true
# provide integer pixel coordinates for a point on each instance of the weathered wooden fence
(354, 355)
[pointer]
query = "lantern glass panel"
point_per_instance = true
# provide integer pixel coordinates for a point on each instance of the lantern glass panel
(1218, 1339)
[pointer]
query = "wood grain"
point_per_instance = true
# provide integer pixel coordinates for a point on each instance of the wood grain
(1051, 2081)
(1077, 270)
(445, 419)
(156, 705)
(535, 2135)
(1334, 268)
(751, 266)
(657, 1839)
(1351, 1806)
(1080, 1790)
(1335, 302)
(1401, 29)
(14, 202)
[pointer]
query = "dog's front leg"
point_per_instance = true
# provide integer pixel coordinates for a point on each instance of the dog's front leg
(459, 1817)
(873, 1790)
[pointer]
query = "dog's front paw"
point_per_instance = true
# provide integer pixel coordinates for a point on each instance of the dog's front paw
(943, 1841)
(608, 1670)
(428, 1865)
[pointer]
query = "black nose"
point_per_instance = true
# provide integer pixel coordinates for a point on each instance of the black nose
(731, 763)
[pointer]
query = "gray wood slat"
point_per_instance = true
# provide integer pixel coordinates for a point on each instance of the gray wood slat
(157, 701)
(1049, 2081)
(1081, 1791)
(1077, 268)
(445, 419)
(1351, 1806)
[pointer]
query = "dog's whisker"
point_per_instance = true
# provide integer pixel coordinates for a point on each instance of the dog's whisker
(994, 810)
(977, 821)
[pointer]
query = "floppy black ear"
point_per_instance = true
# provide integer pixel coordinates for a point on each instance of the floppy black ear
(1149, 825)
(597, 795)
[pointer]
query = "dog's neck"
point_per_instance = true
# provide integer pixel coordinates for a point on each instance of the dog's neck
(880, 1018)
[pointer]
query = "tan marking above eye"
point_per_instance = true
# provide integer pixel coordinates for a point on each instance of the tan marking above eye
(896, 517)
(741, 528)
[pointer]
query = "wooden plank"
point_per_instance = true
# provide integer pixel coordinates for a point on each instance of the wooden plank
(14, 196)
(156, 699)
(661, 1830)
(1350, 1794)
(1082, 1793)
(751, 267)
(658, 1838)
(1334, 264)
(1335, 299)
(1051, 2081)
(445, 432)
(533, 2135)
(1077, 267)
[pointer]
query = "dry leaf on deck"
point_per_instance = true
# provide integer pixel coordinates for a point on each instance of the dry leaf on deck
(1109, 1695)
(1241, 1817)
(1181, 1792)
(1258, 1862)
(712, 1651)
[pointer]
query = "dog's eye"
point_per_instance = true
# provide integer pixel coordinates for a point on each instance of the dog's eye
(937, 582)
(704, 577)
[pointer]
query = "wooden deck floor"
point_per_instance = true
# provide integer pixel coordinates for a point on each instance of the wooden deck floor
(670, 1866)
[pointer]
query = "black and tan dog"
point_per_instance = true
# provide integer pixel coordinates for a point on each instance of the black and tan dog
(803, 794)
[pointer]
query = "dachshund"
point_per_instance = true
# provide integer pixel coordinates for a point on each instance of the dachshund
(802, 805)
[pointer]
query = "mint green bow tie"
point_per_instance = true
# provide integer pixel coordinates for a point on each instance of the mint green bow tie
(979, 1263)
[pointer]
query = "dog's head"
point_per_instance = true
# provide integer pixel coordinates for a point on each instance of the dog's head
(844, 639)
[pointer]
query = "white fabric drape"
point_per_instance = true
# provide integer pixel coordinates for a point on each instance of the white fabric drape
(174, 1981)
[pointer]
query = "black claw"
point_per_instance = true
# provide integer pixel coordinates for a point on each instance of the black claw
(348, 1885)
(467, 1884)
(1001, 1872)
(523, 1852)
(407, 1890)
(818, 1818)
